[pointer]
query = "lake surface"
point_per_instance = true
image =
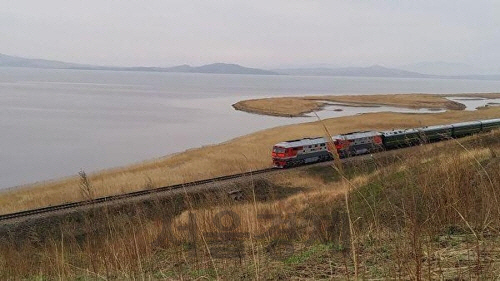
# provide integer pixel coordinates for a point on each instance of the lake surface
(55, 122)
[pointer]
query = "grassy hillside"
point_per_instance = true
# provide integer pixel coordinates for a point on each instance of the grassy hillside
(428, 212)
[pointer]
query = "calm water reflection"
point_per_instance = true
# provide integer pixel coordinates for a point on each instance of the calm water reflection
(55, 122)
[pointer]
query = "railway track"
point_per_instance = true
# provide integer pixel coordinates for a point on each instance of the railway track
(117, 197)
(135, 194)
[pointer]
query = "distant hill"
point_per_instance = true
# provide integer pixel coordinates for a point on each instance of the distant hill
(221, 68)
(216, 68)
(371, 71)
(226, 68)
(12, 61)
(442, 68)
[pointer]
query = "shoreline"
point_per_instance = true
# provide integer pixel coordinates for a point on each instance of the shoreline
(307, 104)
(243, 153)
(303, 107)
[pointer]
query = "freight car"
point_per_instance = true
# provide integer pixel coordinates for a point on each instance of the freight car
(310, 150)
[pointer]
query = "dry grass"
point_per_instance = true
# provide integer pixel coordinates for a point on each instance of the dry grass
(286, 106)
(298, 106)
(398, 100)
(478, 95)
(240, 154)
(429, 212)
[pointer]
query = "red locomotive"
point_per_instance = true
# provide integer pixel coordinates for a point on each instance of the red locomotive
(302, 151)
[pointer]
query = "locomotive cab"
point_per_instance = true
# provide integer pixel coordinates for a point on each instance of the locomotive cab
(279, 154)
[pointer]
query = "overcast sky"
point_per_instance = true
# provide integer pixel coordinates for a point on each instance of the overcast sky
(258, 33)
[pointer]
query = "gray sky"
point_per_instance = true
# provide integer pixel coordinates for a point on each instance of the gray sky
(258, 33)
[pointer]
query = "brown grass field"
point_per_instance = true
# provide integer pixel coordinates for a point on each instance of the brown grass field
(430, 212)
(425, 213)
(245, 153)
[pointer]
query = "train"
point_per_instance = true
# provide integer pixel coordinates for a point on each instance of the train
(311, 150)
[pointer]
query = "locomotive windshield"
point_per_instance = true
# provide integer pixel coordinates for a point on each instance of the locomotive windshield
(278, 149)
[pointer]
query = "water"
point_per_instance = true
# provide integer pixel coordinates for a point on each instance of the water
(55, 122)
(472, 104)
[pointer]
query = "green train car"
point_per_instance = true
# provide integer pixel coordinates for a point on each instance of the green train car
(408, 137)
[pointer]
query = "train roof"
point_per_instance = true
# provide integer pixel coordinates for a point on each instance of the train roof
(320, 140)
(357, 135)
(491, 121)
(301, 142)
(399, 131)
(364, 134)
(416, 130)
(435, 127)
(468, 123)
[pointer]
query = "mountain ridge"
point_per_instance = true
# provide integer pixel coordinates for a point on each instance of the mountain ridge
(216, 68)
(231, 68)
(444, 68)
(370, 71)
